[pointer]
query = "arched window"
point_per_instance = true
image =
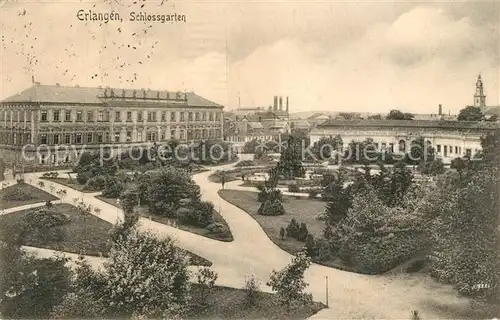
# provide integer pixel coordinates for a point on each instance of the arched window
(402, 145)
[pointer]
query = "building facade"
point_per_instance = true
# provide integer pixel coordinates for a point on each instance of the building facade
(51, 125)
(450, 139)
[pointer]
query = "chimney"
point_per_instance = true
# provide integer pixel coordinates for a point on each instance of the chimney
(440, 110)
(106, 93)
(112, 93)
(33, 79)
(287, 104)
(275, 105)
(168, 96)
(144, 95)
(158, 95)
(134, 94)
(123, 93)
(281, 103)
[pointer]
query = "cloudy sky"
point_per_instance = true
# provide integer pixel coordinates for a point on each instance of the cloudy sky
(325, 55)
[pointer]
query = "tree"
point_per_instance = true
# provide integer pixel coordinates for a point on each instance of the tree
(144, 277)
(398, 115)
(470, 113)
(375, 117)
(31, 287)
(339, 201)
(289, 284)
(206, 280)
(290, 164)
(282, 233)
(310, 246)
(326, 147)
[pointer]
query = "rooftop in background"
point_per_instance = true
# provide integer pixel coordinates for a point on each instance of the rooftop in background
(91, 95)
(410, 123)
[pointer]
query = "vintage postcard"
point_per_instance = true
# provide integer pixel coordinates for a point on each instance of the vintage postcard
(235, 159)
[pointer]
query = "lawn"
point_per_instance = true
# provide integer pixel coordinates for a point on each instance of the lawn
(229, 303)
(70, 183)
(22, 194)
(303, 210)
(83, 233)
(144, 212)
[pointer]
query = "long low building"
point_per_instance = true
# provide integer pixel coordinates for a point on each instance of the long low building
(40, 124)
(450, 139)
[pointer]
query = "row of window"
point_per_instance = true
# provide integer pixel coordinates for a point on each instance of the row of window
(58, 115)
(16, 116)
(450, 150)
(100, 137)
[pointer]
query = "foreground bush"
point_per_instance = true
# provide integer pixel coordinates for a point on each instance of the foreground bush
(272, 207)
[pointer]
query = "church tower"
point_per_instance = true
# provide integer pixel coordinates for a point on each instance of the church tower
(479, 97)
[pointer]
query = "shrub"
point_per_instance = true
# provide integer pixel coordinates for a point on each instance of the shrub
(16, 193)
(252, 286)
(282, 233)
(325, 250)
(96, 183)
(293, 188)
(206, 279)
(113, 188)
(310, 246)
(83, 176)
(244, 163)
(292, 230)
(216, 227)
(313, 193)
(198, 213)
(271, 208)
(303, 232)
(43, 226)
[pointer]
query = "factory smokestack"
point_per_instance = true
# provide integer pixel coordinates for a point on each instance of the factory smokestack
(287, 104)
(275, 105)
(281, 103)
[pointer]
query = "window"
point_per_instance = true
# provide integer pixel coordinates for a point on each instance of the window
(445, 150)
(78, 138)
(43, 138)
(172, 134)
(106, 137)
(391, 147)
(439, 148)
(99, 137)
(129, 136)
(89, 137)
(172, 116)
(217, 116)
(43, 116)
(151, 136)
(2, 115)
(181, 135)
(7, 115)
(197, 116)
(56, 138)
(100, 116)
(468, 152)
(456, 149)
(203, 116)
(139, 136)
(129, 116)
(139, 116)
(117, 136)
(162, 136)
(55, 115)
(28, 115)
(163, 116)
(79, 116)
(451, 149)
(67, 138)
(190, 116)
(106, 115)
(90, 116)
(211, 116)
(117, 116)
(384, 146)
(152, 116)
(67, 115)
(402, 146)
(182, 116)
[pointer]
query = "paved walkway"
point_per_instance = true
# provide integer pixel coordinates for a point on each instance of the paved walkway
(351, 295)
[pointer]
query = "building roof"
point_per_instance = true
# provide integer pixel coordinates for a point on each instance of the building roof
(300, 124)
(409, 123)
(91, 95)
(255, 125)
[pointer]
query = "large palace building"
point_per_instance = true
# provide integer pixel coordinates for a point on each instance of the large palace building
(43, 121)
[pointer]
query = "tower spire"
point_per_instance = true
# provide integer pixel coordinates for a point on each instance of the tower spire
(479, 97)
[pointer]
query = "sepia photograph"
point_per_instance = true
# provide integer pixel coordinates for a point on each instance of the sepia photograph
(264, 159)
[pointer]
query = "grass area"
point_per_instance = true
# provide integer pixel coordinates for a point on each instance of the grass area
(144, 212)
(83, 233)
(70, 183)
(229, 303)
(303, 210)
(22, 194)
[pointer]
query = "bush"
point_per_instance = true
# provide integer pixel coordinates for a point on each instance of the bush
(96, 183)
(313, 193)
(310, 246)
(43, 226)
(199, 213)
(325, 250)
(293, 188)
(216, 227)
(50, 175)
(113, 188)
(292, 230)
(271, 208)
(303, 232)
(244, 163)
(83, 176)
(16, 193)
(252, 286)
